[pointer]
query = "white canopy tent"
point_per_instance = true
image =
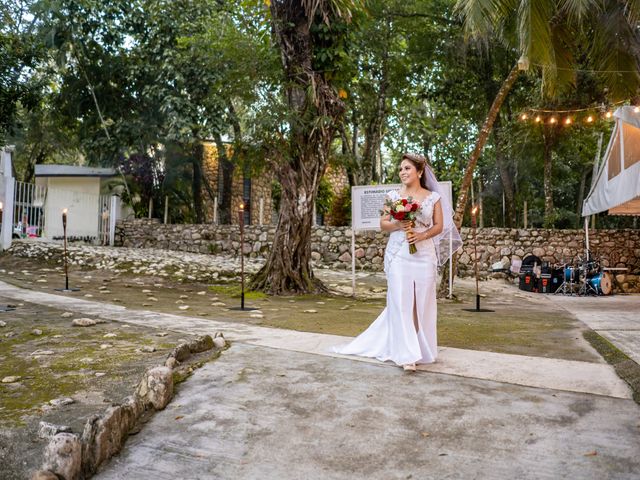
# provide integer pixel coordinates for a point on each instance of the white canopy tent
(616, 181)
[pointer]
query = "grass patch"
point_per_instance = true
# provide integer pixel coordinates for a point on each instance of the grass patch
(235, 291)
(66, 372)
(626, 368)
(37, 386)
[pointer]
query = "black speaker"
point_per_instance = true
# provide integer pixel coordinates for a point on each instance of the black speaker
(528, 282)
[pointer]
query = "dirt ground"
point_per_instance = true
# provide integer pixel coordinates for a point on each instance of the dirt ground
(521, 322)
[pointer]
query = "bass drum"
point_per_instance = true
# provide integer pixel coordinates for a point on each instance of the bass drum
(601, 283)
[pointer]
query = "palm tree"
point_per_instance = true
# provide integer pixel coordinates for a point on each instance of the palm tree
(552, 37)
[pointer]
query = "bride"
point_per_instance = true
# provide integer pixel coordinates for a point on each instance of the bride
(405, 331)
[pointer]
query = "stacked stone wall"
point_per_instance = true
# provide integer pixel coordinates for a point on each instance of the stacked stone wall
(332, 245)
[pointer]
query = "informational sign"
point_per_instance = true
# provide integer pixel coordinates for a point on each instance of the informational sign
(368, 201)
(366, 204)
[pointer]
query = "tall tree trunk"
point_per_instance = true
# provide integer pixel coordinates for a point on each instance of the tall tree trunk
(316, 110)
(357, 168)
(461, 204)
(347, 153)
(196, 183)
(506, 178)
(549, 135)
(226, 167)
(373, 132)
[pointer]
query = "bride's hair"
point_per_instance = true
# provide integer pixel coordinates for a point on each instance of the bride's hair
(420, 162)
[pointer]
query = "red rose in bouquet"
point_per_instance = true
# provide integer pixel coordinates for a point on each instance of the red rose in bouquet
(404, 209)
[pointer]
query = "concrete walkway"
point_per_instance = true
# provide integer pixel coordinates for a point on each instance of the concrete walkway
(615, 317)
(567, 375)
(263, 413)
(277, 405)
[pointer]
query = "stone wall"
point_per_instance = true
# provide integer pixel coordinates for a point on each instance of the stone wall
(332, 245)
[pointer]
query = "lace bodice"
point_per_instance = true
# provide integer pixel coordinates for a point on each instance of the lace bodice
(424, 221)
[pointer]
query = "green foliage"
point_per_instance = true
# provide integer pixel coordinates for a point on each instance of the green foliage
(96, 81)
(325, 196)
(340, 210)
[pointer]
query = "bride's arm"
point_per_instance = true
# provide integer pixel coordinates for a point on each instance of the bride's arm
(387, 225)
(438, 224)
(436, 228)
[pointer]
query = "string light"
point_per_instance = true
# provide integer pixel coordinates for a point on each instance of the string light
(587, 115)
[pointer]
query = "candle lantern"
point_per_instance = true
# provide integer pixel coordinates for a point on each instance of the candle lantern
(65, 259)
(474, 214)
(241, 224)
(241, 219)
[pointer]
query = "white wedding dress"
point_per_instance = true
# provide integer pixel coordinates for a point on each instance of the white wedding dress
(410, 278)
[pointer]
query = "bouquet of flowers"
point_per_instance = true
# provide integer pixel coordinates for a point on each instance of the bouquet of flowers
(403, 209)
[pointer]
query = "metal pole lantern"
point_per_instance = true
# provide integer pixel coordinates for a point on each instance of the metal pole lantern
(64, 243)
(475, 254)
(241, 218)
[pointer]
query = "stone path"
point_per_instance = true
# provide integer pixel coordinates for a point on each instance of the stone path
(538, 372)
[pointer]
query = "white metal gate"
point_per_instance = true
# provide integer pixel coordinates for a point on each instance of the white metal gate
(28, 210)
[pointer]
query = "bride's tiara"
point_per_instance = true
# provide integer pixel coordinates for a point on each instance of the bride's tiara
(415, 157)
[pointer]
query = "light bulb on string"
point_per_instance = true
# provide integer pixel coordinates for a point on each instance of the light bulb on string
(538, 119)
(567, 121)
(553, 120)
(524, 116)
(608, 114)
(636, 109)
(589, 119)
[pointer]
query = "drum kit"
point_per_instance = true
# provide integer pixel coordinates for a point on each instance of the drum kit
(578, 277)
(584, 278)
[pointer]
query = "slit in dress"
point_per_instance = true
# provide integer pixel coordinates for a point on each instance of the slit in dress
(416, 318)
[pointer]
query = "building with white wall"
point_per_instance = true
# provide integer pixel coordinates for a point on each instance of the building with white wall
(76, 189)
(7, 184)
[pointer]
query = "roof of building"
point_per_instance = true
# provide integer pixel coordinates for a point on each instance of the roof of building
(72, 171)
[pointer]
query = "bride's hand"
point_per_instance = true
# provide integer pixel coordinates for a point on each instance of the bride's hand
(414, 237)
(406, 225)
